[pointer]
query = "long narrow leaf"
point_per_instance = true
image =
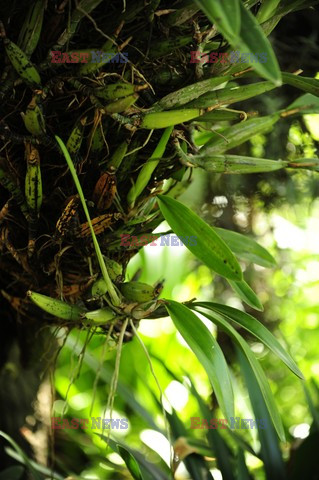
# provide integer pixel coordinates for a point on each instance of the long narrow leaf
(253, 326)
(208, 352)
(99, 255)
(307, 103)
(238, 134)
(131, 463)
(307, 84)
(242, 470)
(224, 14)
(149, 470)
(246, 294)
(248, 39)
(247, 248)
(270, 451)
(236, 164)
(258, 371)
(253, 40)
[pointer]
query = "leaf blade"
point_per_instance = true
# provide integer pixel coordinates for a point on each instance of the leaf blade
(253, 40)
(258, 371)
(247, 294)
(209, 248)
(130, 462)
(307, 84)
(226, 15)
(247, 248)
(207, 350)
(253, 326)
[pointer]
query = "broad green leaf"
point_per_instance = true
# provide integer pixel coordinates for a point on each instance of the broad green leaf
(257, 370)
(246, 294)
(209, 248)
(307, 84)
(224, 14)
(247, 248)
(130, 462)
(208, 352)
(253, 326)
(270, 451)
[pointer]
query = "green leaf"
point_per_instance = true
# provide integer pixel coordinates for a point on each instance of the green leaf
(307, 84)
(253, 40)
(305, 163)
(256, 368)
(247, 248)
(243, 472)
(224, 14)
(246, 294)
(307, 103)
(208, 352)
(270, 450)
(110, 287)
(209, 248)
(131, 463)
(150, 470)
(195, 463)
(253, 326)
(267, 10)
(236, 164)
(249, 39)
(239, 133)
(148, 168)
